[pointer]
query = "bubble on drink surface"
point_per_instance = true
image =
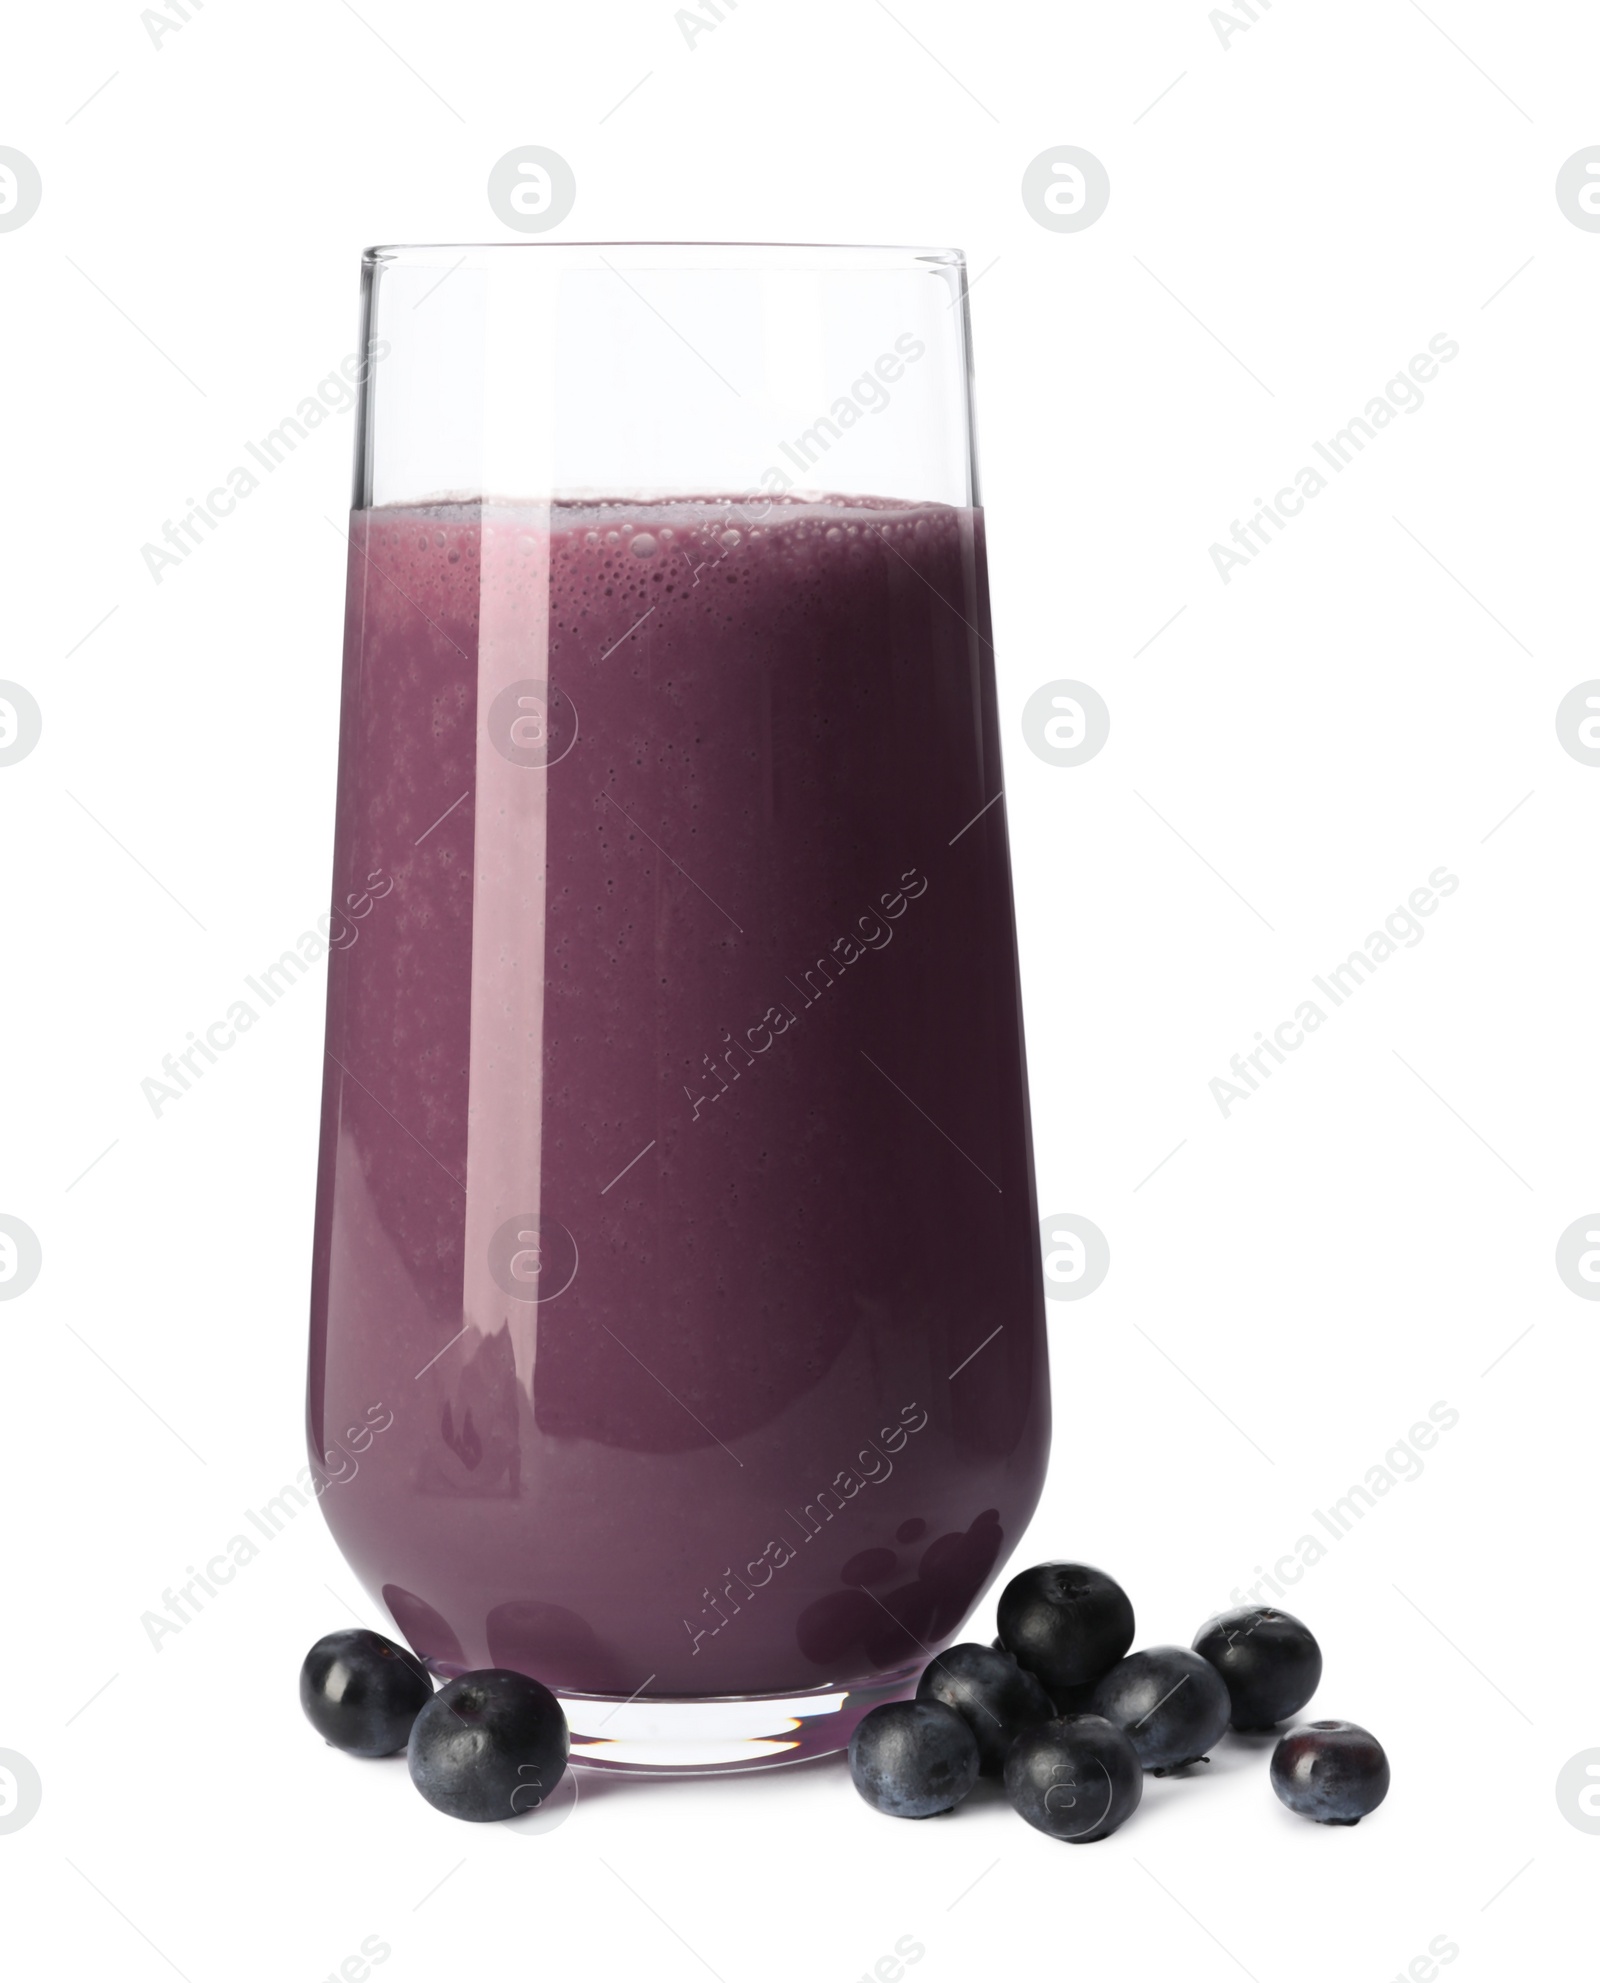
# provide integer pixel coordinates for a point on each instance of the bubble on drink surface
(643, 546)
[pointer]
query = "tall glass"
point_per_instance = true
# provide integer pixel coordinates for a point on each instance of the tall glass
(677, 1325)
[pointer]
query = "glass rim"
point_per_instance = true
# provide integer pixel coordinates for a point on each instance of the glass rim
(751, 254)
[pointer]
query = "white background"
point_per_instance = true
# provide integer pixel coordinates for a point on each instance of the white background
(1289, 757)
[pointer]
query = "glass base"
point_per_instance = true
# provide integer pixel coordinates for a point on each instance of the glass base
(724, 1734)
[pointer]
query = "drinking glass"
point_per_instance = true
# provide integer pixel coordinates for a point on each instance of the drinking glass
(677, 1325)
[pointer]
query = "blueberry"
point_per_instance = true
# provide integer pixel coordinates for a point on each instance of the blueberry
(992, 1695)
(1331, 1771)
(913, 1759)
(1073, 1700)
(1170, 1702)
(492, 1744)
(1270, 1662)
(1065, 1622)
(1077, 1778)
(362, 1692)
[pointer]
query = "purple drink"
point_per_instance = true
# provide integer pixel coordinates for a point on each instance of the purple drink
(676, 1193)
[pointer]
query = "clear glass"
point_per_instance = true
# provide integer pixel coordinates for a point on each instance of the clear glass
(677, 1323)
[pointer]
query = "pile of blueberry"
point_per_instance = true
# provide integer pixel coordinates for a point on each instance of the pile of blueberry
(488, 1745)
(1070, 1719)
(1057, 1707)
